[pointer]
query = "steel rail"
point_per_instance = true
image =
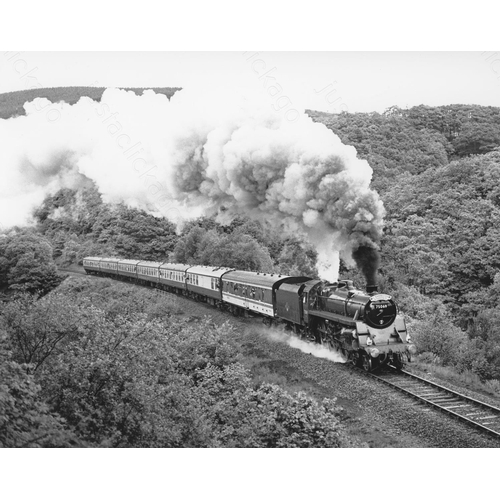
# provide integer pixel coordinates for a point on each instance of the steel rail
(443, 399)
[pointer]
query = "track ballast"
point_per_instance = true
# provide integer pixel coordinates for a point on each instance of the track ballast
(475, 413)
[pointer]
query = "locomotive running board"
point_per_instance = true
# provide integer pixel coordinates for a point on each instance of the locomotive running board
(333, 316)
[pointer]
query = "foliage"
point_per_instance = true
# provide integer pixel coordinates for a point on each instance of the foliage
(69, 211)
(25, 420)
(390, 144)
(134, 234)
(244, 244)
(78, 223)
(26, 263)
(266, 416)
(437, 334)
(298, 258)
(237, 250)
(39, 328)
(442, 233)
(120, 376)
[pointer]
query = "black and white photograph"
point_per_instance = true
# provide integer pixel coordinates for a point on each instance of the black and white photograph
(235, 250)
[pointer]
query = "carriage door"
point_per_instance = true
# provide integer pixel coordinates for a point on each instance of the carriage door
(244, 292)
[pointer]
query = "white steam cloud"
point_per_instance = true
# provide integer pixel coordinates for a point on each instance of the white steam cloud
(199, 153)
(317, 350)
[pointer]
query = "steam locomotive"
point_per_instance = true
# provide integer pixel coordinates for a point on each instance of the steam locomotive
(364, 326)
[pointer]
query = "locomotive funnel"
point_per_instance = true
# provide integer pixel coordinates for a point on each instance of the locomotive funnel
(371, 288)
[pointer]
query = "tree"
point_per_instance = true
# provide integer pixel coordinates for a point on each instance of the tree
(298, 258)
(25, 420)
(477, 138)
(38, 329)
(237, 250)
(26, 263)
(134, 233)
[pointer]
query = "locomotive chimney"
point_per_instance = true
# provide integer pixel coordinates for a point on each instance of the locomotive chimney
(371, 288)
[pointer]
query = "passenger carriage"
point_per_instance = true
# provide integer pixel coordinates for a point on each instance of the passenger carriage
(149, 271)
(173, 276)
(128, 268)
(91, 265)
(205, 282)
(109, 266)
(251, 291)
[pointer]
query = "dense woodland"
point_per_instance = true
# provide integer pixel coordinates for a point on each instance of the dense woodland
(100, 364)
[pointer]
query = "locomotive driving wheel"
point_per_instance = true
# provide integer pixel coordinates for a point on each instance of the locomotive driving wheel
(398, 361)
(367, 363)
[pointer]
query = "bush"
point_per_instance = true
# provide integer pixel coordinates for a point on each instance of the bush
(26, 263)
(120, 378)
(25, 420)
(438, 336)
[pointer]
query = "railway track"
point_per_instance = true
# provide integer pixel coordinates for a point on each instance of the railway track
(475, 413)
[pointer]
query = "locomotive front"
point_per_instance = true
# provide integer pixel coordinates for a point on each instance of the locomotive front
(365, 326)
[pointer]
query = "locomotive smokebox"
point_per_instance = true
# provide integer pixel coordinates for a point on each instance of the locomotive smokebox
(371, 288)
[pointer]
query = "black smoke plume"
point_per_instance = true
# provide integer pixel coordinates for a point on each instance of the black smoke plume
(367, 259)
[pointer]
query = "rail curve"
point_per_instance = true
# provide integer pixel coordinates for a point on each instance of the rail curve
(469, 410)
